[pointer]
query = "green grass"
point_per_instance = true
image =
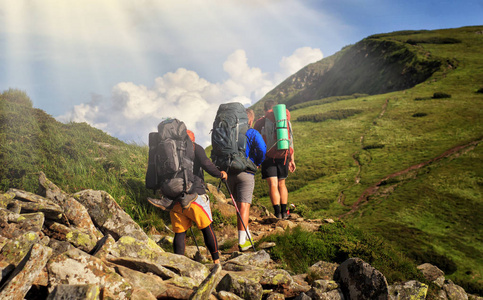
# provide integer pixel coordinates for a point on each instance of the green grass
(297, 250)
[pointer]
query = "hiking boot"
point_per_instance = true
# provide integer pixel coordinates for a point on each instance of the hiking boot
(278, 216)
(245, 246)
(163, 203)
(284, 215)
(187, 199)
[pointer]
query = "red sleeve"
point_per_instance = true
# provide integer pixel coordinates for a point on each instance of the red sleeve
(259, 124)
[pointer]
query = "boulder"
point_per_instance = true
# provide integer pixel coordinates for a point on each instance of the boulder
(74, 211)
(109, 216)
(249, 261)
(204, 290)
(30, 202)
(321, 270)
(454, 292)
(359, 280)
(148, 281)
(77, 267)
(14, 224)
(224, 295)
(15, 250)
(76, 237)
(409, 290)
(241, 286)
(20, 280)
(128, 246)
(277, 280)
(78, 292)
(432, 274)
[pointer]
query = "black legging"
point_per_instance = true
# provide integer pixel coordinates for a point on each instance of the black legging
(209, 237)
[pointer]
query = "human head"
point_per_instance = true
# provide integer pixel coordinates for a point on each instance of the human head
(251, 116)
(269, 104)
(191, 135)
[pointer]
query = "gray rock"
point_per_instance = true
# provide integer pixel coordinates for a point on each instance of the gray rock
(204, 290)
(277, 280)
(302, 296)
(74, 211)
(109, 216)
(34, 203)
(359, 280)
(454, 292)
(432, 273)
(78, 292)
(259, 259)
(15, 250)
(240, 286)
(76, 237)
(224, 295)
(408, 290)
(21, 279)
(319, 294)
(77, 267)
(154, 284)
(321, 270)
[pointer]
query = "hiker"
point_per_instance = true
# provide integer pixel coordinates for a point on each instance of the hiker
(277, 163)
(241, 184)
(199, 210)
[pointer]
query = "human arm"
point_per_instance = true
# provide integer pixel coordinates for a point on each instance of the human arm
(207, 165)
(291, 163)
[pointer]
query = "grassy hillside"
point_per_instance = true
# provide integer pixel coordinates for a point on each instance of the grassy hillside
(372, 66)
(388, 168)
(75, 156)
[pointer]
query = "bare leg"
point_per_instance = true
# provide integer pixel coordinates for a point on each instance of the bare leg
(274, 190)
(245, 213)
(282, 189)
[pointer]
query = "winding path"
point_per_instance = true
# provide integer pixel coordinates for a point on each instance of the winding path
(364, 198)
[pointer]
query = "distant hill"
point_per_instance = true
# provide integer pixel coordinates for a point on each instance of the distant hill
(378, 64)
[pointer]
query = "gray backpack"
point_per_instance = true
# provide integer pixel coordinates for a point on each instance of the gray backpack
(170, 160)
(229, 140)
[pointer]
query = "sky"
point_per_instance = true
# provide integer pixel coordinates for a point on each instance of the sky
(124, 66)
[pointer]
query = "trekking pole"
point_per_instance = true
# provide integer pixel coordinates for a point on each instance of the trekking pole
(239, 215)
(198, 256)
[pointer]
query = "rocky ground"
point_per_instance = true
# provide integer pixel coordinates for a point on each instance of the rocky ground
(56, 245)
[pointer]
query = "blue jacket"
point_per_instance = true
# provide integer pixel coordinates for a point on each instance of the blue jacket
(256, 147)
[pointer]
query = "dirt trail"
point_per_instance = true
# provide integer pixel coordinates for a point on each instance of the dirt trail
(364, 198)
(357, 177)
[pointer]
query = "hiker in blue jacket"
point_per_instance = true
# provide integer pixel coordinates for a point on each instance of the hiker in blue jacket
(242, 184)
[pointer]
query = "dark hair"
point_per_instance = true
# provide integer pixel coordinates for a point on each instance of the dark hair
(269, 104)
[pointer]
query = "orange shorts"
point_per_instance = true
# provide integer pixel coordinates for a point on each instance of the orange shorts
(198, 212)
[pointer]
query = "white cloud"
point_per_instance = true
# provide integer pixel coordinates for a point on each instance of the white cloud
(132, 111)
(299, 59)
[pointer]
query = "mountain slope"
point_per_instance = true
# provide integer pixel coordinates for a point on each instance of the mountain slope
(432, 212)
(375, 65)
